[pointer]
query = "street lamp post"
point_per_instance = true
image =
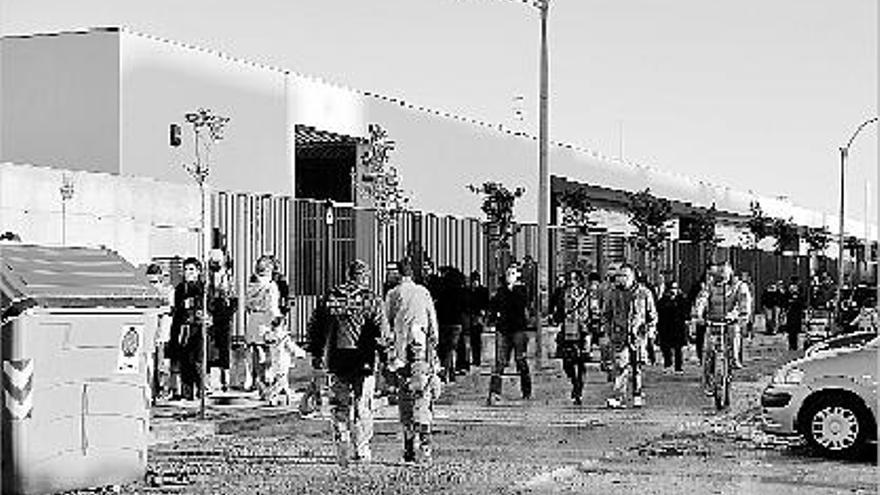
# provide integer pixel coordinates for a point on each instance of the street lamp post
(844, 154)
(543, 177)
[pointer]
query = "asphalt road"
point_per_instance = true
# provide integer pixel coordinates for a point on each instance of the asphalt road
(677, 444)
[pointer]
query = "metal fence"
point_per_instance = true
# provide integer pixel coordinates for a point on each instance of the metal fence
(314, 250)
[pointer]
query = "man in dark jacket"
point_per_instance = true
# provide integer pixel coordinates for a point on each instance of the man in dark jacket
(793, 306)
(770, 303)
(509, 307)
(672, 314)
(347, 332)
(476, 304)
(450, 316)
(186, 330)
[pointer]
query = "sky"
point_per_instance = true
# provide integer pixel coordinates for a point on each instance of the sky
(754, 94)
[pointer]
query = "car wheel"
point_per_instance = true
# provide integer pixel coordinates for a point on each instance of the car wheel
(836, 426)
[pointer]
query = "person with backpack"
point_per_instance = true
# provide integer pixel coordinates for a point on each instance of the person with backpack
(348, 333)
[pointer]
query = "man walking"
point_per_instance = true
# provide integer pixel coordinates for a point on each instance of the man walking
(348, 329)
(412, 357)
(630, 318)
(510, 306)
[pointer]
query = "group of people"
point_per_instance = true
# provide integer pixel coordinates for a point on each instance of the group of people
(209, 300)
(625, 318)
(784, 307)
(412, 337)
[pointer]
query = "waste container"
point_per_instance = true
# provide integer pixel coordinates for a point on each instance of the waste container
(77, 326)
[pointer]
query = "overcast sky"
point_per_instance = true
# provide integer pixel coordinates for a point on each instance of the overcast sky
(754, 94)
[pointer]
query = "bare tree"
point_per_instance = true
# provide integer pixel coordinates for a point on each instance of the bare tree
(207, 130)
(380, 182)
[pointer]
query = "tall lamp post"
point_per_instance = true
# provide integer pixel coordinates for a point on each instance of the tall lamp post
(543, 177)
(844, 154)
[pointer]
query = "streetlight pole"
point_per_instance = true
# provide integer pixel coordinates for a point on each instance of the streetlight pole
(543, 177)
(844, 154)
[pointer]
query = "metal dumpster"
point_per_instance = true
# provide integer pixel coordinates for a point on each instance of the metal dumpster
(77, 326)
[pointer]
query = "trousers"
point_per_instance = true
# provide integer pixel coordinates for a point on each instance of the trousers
(506, 344)
(351, 406)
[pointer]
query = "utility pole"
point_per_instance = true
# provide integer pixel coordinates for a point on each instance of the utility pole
(844, 154)
(543, 179)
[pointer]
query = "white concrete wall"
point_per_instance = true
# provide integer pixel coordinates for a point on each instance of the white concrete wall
(140, 218)
(60, 100)
(163, 80)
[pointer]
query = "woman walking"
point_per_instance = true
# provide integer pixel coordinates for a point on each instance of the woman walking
(672, 311)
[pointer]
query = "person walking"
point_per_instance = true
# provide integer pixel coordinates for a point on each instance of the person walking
(263, 319)
(509, 307)
(630, 317)
(794, 313)
(700, 326)
(159, 374)
(571, 313)
(348, 332)
(222, 305)
(769, 301)
(450, 315)
(476, 303)
(594, 314)
(413, 361)
(186, 331)
(672, 314)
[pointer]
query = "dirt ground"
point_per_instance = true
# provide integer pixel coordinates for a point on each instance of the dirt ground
(677, 444)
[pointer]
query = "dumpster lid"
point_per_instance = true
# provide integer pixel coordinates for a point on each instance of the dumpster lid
(65, 277)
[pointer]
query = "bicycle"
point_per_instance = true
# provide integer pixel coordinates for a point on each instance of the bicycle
(717, 372)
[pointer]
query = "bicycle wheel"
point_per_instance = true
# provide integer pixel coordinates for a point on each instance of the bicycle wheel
(722, 380)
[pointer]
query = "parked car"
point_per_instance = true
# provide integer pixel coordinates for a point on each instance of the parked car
(844, 340)
(828, 397)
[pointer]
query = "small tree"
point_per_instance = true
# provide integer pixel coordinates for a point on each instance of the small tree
(380, 182)
(649, 215)
(576, 209)
(207, 130)
(498, 203)
(760, 226)
(703, 230)
(817, 239)
(785, 232)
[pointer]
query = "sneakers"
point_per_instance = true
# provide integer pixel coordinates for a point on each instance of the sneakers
(577, 401)
(638, 401)
(493, 399)
(614, 403)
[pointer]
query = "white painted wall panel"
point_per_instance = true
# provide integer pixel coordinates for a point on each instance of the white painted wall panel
(60, 100)
(162, 81)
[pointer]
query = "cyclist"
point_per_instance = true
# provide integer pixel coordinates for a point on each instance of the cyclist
(723, 301)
